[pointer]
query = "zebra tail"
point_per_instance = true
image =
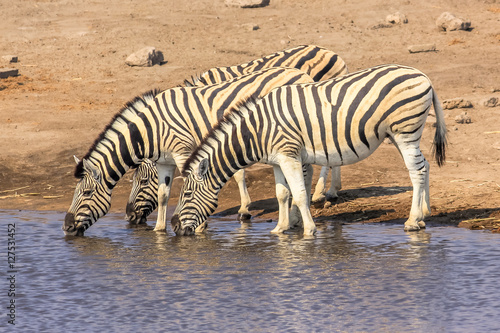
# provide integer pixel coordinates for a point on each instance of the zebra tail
(440, 141)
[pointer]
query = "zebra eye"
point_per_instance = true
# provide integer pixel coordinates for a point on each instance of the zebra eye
(87, 193)
(188, 194)
(144, 181)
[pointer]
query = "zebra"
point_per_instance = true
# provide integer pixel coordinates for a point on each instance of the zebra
(164, 127)
(318, 62)
(336, 122)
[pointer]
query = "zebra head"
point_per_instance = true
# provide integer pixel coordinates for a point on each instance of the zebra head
(91, 200)
(197, 201)
(143, 198)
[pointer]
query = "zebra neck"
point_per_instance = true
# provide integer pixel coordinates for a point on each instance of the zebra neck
(125, 143)
(231, 147)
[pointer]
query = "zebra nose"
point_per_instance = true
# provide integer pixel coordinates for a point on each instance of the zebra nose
(70, 228)
(69, 221)
(131, 215)
(176, 227)
(176, 223)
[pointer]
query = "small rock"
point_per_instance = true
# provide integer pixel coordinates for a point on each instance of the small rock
(396, 18)
(145, 57)
(9, 59)
(250, 26)
(491, 102)
(6, 72)
(449, 22)
(247, 3)
(456, 103)
(463, 118)
(422, 48)
(327, 204)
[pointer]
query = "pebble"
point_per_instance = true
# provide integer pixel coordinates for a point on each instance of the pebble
(396, 18)
(9, 58)
(449, 22)
(247, 3)
(250, 26)
(491, 102)
(145, 57)
(456, 103)
(463, 118)
(422, 48)
(6, 72)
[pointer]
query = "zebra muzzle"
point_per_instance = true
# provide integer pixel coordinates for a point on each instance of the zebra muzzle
(133, 216)
(70, 227)
(177, 227)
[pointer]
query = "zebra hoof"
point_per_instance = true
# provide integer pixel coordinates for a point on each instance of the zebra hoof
(331, 197)
(244, 217)
(411, 226)
(318, 202)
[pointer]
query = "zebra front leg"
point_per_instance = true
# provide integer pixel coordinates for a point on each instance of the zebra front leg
(283, 197)
(419, 175)
(292, 170)
(243, 212)
(165, 178)
(295, 215)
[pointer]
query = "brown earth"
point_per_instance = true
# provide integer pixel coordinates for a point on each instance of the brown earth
(73, 78)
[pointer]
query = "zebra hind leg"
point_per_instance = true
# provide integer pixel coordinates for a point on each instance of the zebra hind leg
(419, 175)
(335, 184)
(283, 196)
(292, 170)
(320, 196)
(295, 215)
(243, 212)
(319, 190)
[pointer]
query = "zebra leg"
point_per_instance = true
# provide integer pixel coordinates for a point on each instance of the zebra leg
(165, 178)
(419, 175)
(283, 196)
(292, 170)
(335, 185)
(319, 190)
(295, 215)
(243, 212)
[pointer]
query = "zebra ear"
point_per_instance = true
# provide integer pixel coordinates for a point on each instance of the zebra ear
(91, 170)
(77, 160)
(203, 168)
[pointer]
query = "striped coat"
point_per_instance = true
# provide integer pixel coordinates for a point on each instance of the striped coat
(336, 122)
(164, 127)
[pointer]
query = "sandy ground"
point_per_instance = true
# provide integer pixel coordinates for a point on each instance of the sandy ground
(73, 79)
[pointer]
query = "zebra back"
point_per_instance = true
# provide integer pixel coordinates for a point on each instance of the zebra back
(317, 62)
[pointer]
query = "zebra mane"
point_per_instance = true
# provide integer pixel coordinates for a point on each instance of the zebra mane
(133, 106)
(195, 79)
(192, 83)
(240, 110)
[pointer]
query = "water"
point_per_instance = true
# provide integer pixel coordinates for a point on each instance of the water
(234, 278)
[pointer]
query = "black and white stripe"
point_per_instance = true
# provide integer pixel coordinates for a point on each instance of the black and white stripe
(165, 128)
(318, 62)
(336, 122)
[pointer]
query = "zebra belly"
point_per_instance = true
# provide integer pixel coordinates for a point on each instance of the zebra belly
(333, 158)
